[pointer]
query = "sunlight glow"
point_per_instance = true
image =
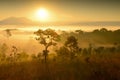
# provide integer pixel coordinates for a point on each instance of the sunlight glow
(42, 14)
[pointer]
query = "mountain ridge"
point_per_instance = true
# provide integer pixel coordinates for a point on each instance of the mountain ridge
(26, 21)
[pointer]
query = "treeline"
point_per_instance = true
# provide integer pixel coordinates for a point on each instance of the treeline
(97, 36)
(71, 45)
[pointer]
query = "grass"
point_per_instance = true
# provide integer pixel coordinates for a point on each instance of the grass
(98, 68)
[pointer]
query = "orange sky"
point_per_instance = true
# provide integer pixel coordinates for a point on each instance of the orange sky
(63, 10)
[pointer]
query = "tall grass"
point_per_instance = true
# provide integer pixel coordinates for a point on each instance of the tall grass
(98, 68)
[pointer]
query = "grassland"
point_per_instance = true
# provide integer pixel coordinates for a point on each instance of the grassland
(96, 68)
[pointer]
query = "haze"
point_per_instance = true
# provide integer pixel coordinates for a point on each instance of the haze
(62, 10)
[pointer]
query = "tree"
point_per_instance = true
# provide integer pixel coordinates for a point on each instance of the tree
(90, 48)
(72, 45)
(47, 38)
(9, 32)
(103, 30)
(96, 31)
(3, 50)
(14, 53)
(79, 31)
(63, 52)
(22, 56)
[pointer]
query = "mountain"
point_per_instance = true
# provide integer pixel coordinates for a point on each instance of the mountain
(16, 21)
(101, 23)
(26, 21)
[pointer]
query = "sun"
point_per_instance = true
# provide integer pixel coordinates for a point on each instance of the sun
(42, 14)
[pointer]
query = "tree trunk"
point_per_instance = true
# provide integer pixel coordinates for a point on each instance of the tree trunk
(45, 53)
(45, 58)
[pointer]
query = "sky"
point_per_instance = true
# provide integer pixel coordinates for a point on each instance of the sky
(62, 10)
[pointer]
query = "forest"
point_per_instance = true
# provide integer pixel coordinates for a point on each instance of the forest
(74, 55)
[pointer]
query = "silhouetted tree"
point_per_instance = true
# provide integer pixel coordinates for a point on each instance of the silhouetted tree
(90, 48)
(14, 53)
(85, 51)
(8, 32)
(39, 56)
(63, 52)
(34, 57)
(47, 38)
(79, 31)
(3, 51)
(112, 49)
(99, 50)
(96, 31)
(72, 45)
(103, 30)
(118, 48)
(117, 31)
(22, 56)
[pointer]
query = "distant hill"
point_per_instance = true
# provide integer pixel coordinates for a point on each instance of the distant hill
(26, 21)
(16, 21)
(98, 23)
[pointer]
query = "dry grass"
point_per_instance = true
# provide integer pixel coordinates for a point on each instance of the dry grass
(98, 68)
